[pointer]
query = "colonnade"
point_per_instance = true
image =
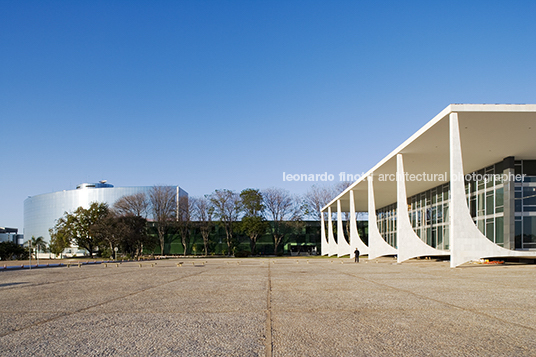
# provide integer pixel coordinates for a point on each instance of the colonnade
(467, 243)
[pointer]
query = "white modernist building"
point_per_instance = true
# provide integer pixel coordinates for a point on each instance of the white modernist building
(42, 211)
(463, 186)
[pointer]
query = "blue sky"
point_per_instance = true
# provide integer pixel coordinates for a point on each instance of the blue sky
(231, 94)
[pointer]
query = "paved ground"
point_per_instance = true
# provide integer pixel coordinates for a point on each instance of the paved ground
(269, 307)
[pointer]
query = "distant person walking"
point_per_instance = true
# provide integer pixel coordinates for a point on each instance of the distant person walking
(356, 253)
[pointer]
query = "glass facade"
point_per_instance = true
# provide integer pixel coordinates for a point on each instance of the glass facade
(386, 220)
(42, 211)
(428, 214)
(525, 205)
(485, 192)
(485, 199)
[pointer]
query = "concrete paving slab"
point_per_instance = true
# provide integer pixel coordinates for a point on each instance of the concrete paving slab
(269, 307)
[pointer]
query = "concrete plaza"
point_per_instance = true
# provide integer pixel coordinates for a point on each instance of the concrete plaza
(269, 307)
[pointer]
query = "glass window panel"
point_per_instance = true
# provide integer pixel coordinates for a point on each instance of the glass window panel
(489, 180)
(518, 234)
(529, 230)
(529, 196)
(490, 229)
(480, 185)
(499, 197)
(481, 202)
(481, 226)
(499, 230)
(472, 207)
(490, 204)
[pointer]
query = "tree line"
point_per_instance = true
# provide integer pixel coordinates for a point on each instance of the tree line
(141, 222)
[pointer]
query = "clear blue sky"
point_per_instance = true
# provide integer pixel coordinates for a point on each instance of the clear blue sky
(231, 94)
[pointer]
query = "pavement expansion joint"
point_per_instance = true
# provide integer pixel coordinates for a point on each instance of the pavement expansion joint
(440, 301)
(84, 309)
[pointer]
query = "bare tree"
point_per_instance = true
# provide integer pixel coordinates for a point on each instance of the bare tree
(319, 196)
(163, 207)
(184, 221)
(316, 198)
(109, 231)
(282, 209)
(202, 212)
(226, 208)
(134, 205)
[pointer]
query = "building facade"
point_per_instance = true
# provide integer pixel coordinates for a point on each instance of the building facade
(42, 211)
(10, 235)
(463, 186)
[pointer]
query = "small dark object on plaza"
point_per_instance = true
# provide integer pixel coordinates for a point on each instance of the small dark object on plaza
(356, 253)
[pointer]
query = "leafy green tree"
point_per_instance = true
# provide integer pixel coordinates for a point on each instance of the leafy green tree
(253, 222)
(10, 250)
(59, 241)
(79, 226)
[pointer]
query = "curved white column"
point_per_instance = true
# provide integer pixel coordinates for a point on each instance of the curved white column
(332, 245)
(408, 242)
(466, 241)
(377, 245)
(324, 247)
(343, 248)
(355, 239)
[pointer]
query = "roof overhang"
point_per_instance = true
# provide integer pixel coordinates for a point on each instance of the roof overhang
(489, 133)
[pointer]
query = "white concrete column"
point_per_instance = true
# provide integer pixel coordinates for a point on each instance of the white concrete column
(324, 250)
(409, 243)
(377, 245)
(332, 249)
(467, 243)
(343, 248)
(355, 239)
